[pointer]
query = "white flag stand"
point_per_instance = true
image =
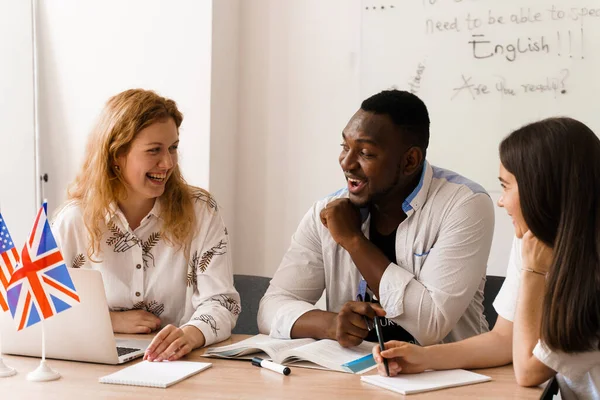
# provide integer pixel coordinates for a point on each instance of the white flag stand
(44, 372)
(5, 370)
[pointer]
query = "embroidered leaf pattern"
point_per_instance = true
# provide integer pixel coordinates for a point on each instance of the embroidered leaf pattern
(146, 247)
(208, 319)
(121, 242)
(203, 195)
(153, 307)
(192, 275)
(217, 250)
(78, 261)
(228, 303)
(151, 242)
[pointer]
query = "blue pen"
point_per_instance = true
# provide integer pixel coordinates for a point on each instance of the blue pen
(381, 344)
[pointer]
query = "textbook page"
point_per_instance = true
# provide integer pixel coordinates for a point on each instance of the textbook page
(307, 353)
(256, 344)
(331, 355)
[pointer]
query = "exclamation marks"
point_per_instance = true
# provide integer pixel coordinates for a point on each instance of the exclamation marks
(561, 51)
(582, 45)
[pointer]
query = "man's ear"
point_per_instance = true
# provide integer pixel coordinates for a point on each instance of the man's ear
(412, 160)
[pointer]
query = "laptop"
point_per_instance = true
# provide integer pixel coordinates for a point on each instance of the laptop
(81, 333)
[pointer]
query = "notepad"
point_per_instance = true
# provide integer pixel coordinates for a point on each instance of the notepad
(155, 374)
(426, 381)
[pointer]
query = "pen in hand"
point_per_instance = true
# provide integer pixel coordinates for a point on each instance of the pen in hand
(378, 330)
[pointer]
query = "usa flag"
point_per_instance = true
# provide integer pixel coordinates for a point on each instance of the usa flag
(9, 258)
(40, 286)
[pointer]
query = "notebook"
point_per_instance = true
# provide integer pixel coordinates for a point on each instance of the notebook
(155, 374)
(426, 381)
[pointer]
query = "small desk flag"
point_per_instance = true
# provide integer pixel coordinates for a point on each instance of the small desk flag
(9, 258)
(40, 287)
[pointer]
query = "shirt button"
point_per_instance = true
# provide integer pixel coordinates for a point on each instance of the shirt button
(138, 294)
(138, 266)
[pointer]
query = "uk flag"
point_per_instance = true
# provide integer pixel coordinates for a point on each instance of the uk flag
(9, 258)
(40, 286)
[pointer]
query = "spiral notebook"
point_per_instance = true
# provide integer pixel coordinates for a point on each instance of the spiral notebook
(155, 374)
(426, 381)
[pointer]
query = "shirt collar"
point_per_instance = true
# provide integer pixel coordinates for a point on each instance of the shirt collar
(114, 210)
(418, 196)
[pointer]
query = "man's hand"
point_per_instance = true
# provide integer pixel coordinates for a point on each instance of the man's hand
(134, 321)
(172, 343)
(343, 220)
(349, 327)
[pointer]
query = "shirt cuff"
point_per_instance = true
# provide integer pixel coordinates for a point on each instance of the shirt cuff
(286, 317)
(206, 328)
(392, 287)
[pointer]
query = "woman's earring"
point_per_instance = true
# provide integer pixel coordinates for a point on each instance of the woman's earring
(117, 168)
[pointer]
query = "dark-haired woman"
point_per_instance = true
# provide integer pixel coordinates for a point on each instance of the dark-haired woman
(549, 306)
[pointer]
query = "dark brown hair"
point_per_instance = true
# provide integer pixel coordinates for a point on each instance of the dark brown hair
(556, 163)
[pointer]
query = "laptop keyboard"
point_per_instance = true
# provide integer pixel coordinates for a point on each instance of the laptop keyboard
(121, 351)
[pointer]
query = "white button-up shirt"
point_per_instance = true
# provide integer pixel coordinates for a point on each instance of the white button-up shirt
(143, 271)
(434, 288)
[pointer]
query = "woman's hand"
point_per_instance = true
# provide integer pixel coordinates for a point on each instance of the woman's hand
(402, 357)
(172, 343)
(134, 321)
(536, 254)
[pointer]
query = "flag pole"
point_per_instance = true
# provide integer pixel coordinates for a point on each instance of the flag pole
(5, 370)
(43, 372)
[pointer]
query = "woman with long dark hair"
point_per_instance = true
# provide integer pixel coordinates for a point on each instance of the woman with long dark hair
(549, 305)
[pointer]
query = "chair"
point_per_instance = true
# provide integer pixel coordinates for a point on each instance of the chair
(251, 289)
(492, 287)
(550, 390)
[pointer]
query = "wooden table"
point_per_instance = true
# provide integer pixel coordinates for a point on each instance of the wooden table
(235, 379)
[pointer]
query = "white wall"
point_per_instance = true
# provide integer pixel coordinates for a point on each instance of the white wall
(298, 88)
(224, 107)
(89, 51)
(17, 164)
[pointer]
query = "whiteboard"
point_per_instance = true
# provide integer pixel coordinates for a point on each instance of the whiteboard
(484, 68)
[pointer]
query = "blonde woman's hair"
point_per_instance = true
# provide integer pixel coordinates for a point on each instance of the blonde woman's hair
(99, 184)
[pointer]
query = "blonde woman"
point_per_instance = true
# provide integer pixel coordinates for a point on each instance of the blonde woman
(161, 246)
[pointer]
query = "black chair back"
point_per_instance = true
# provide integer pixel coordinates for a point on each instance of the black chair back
(251, 289)
(550, 390)
(492, 287)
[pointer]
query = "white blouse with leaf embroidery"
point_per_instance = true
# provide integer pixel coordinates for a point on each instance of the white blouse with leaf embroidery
(141, 270)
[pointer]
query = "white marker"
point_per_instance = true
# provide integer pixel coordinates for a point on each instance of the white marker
(282, 369)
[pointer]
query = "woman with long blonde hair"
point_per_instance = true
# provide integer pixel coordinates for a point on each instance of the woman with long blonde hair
(160, 244)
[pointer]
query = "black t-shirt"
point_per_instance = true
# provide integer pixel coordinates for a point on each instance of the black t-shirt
(391, 330)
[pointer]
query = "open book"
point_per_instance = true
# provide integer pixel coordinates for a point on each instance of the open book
(308, 353)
